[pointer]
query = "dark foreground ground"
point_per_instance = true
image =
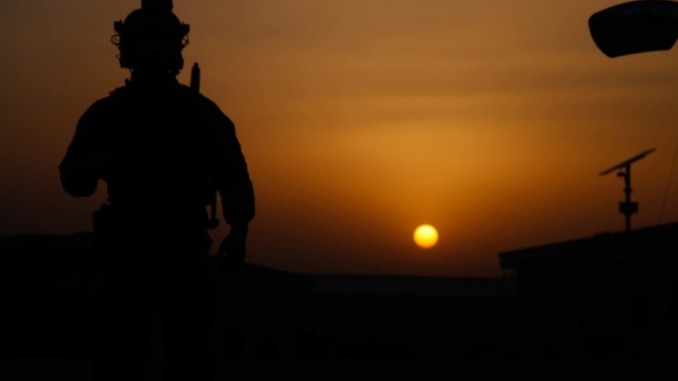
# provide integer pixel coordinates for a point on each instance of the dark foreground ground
(76, 369)
(272, 324)
(354, 337)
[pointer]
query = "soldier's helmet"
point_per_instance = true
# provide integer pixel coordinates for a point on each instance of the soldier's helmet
(155, 25)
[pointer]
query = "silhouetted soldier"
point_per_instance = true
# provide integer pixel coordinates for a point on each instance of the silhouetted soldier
(163, 149)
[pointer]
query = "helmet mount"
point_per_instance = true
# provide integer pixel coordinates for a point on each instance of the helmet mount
(156, 23)
(157, 5)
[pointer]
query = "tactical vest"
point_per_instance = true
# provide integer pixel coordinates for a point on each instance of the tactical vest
(162, 177)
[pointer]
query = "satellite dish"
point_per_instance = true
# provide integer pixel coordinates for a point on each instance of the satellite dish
(635, 27)
(627, 208)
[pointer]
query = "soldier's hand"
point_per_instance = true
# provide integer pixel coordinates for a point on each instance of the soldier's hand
(232, 251)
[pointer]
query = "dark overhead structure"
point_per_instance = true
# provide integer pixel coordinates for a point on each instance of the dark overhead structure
(635, 27)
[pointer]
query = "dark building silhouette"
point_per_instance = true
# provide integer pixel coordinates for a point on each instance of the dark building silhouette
(614, 295)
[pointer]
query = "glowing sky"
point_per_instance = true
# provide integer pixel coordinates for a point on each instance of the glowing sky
(363, 119)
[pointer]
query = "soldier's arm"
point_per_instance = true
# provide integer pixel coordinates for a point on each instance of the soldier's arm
(230, 168)
(86, 160)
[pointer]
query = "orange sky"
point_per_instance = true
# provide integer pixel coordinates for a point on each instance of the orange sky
(362, 119)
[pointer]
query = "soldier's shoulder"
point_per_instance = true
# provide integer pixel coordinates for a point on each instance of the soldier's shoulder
(105, 104)
(210, 109)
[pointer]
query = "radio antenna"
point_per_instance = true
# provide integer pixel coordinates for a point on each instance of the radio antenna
(627, 208)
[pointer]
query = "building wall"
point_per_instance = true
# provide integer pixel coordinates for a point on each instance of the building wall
(602, 310)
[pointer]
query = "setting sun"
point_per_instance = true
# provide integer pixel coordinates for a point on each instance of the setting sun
(426, 236)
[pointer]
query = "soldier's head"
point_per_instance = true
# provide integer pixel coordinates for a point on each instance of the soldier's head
(151, 38)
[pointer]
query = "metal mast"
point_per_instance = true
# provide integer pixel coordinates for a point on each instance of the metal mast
(627, 208)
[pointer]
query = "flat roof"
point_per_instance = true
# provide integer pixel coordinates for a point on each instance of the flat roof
(650, 245)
